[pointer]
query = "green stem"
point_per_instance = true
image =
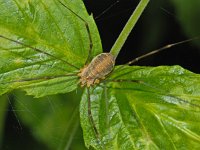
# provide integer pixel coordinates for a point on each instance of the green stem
(128, 27)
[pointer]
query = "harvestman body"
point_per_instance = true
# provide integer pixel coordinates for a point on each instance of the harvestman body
(100, 66)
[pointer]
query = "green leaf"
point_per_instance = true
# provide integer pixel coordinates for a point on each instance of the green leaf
(150, 108)
(49, 26)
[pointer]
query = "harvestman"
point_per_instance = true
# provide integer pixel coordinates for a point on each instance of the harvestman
(95, 71)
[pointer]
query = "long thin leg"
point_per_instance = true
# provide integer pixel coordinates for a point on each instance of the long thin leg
(106, 104)
(106, 10)
(124, 80)
(38, 50)
(43, 63)
(39, 78)
(107, 109)
(90, 115)
(15, 114)
(87, 28)
(159, 50)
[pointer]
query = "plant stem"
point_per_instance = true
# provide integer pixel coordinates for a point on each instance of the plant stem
(128, 27)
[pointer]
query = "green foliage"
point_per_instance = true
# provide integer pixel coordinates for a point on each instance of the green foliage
(134, 108)
(154, 108)
(51, 27)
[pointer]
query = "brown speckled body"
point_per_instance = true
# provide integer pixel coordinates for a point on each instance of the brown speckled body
(99, 67)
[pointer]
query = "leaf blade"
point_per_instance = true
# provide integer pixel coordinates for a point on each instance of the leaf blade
(161, 110)
(60, 37)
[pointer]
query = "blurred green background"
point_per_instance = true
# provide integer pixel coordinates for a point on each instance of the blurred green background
(52, 122)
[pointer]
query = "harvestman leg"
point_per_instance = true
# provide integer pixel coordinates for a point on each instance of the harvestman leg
(40, 78)
(88, 32)
(107, 108)
(90, 114)
(38, 50)
(15, 114)
(159, 50)
(156, 51)
(106, 104)
(43, 63)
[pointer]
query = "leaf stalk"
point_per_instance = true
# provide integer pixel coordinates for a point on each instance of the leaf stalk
(128, 27)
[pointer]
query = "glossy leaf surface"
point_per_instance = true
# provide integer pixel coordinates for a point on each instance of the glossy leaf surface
(150, 108)
(51, 28)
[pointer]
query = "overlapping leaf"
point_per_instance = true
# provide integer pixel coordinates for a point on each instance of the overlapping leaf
(52, 28)
(147, 108)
